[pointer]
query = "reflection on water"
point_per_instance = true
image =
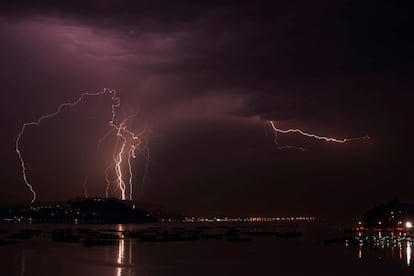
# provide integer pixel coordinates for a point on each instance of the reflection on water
(124, 257)
(408, 253)
(397, 245)
(266, 254)
(360, 252)
(23, 265)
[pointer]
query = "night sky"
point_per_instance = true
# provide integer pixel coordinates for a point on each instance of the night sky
(203, 78)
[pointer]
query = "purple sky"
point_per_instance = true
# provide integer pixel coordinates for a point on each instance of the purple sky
(203, 79)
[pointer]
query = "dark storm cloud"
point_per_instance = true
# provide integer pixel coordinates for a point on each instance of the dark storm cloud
(205, 76)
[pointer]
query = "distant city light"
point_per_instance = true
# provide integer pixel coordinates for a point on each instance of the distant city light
(408, 225)
(247, 219)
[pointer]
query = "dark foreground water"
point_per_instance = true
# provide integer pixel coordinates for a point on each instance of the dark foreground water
(264, 255)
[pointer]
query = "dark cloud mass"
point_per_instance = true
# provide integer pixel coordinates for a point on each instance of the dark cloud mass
(203, 77)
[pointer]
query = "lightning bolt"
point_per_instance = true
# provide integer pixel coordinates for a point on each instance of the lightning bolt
(108, 181)
(101, 140)
(130, 142)
(147, 161)
(37, 122)
(131, 154)
(118, 170)
(85, 187)
(310, 135)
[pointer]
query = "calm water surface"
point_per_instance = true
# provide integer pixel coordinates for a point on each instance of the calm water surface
(265, 255)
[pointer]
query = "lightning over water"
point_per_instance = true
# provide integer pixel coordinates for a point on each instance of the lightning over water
(147, 155)
(129, 143)
(85, 187)
(310, 135)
